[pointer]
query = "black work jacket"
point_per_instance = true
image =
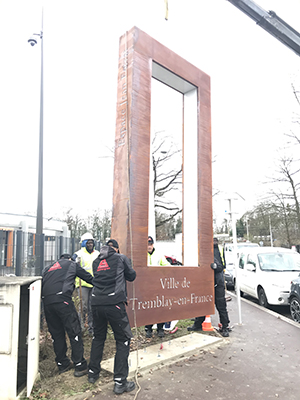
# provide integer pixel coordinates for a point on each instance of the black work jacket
(54, 277)
(111, 271)
(219, 274)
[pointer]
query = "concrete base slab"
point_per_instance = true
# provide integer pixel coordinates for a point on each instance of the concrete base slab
(164, 353)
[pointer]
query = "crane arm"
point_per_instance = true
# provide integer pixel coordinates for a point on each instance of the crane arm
(269, 21)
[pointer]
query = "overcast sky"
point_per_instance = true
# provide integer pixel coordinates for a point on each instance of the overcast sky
(252, 101)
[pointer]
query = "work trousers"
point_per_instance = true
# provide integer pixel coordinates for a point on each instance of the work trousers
(221, 306)
(117, 317)
(62, 318)
(159, 327)
(86, 314)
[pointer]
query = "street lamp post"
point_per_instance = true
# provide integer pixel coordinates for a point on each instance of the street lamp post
(234, 237)
(271, 236)
(39, 216)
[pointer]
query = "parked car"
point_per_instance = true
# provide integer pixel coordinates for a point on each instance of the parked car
(266, 273)
(229, 274)
(294, 299)
(229, 250)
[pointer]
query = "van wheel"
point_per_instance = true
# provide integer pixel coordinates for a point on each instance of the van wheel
(262, 298)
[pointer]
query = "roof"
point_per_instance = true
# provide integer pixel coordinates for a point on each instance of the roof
(18, 280)
(267, 249)
(10, 221)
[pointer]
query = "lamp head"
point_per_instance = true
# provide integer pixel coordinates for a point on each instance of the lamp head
(32, 40)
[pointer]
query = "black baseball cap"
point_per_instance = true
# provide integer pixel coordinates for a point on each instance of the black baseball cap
(113, 243)
(150, 240)
(66, 255)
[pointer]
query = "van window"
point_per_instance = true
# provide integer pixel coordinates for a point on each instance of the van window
(242, 261)
(279, 261)
(252, 260)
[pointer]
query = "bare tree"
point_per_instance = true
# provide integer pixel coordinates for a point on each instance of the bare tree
(75, 223)
(284, 210)
(98, 224)
(282, 205)
(287, 180)
(288, 173)
(167, 178)
(276, 215)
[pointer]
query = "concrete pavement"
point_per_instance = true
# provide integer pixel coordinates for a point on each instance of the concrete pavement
(260, 360)
(162, 354)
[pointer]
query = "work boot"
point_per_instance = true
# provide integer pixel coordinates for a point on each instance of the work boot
(149, 334)
(78, 373)
(93, 379)
(120, 388)
(161, 333)
(194, 327)
(65, 369)
(224, 332)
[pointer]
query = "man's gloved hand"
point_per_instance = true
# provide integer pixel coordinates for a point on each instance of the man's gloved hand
(213, 266)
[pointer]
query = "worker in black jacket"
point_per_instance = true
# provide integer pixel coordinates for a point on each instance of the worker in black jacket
(220, 301)
(61, 314)
(109, 299)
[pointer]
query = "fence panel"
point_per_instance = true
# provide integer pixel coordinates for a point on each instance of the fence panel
(19, 252)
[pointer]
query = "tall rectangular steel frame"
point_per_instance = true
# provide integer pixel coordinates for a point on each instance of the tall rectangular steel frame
(159, 293)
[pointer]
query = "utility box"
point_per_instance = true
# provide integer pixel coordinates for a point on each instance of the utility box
(20, 304)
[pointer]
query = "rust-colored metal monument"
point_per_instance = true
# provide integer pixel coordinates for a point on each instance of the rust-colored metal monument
(161, 294)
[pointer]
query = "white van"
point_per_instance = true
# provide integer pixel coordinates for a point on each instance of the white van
(266, 273)
(230, 264)
(228, 247)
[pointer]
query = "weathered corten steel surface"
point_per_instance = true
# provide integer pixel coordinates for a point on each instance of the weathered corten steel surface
(158, 294)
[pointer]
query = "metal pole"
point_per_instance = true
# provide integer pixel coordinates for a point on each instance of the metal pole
(271, 237)
(73, 245)
(61, 246)
(42, 253)
(237, 285)
(39, 216)
(18, 271)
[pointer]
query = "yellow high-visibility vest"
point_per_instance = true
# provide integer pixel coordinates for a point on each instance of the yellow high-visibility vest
(221, 251)
(86, 262)
(156, 259)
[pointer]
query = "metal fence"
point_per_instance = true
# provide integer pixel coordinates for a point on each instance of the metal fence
(27, 254)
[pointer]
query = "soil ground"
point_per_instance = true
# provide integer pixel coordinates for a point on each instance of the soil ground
(53, 386)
